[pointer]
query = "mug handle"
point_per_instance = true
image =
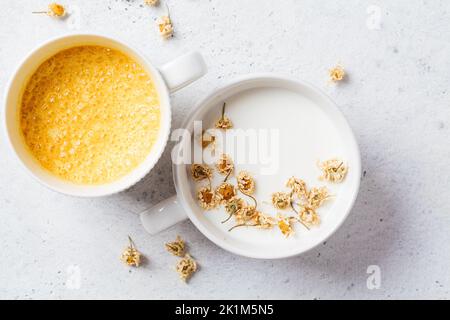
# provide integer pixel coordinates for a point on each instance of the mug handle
(183, 70)
(163, 215)
(177, 74)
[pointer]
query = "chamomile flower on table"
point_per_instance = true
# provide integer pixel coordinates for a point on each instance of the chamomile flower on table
(186, 267)
(131, 256)
(176, 247)
(337, 74)
(152, 3)
(54, 10)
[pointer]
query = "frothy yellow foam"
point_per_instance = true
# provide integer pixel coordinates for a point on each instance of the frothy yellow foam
(90, 114)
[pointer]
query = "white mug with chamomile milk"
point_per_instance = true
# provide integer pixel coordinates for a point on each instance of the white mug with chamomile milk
(291, 201)
(87, 115)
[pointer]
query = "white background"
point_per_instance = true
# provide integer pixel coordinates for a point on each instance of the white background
(396, 99)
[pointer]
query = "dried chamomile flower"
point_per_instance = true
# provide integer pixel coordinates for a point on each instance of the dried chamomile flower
(131, 256)
(186, 267)
(281, 200)
(333, 170)
(200, 172)
(224, 122)
(225, 164)
(226, 192)
(176, 247)
(264, 221)
(54, 10)
(246, 214)
(234, 205)
(165, 27)
(152, 3)
(207, 198)
(317, 196)
(298, 214)
(246, 183)
(208, 139)
(298, 186)
(309, 216)
(285, 225)
(337, 74)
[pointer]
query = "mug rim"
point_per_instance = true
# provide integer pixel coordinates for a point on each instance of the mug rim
(155, 153)
(356, 167)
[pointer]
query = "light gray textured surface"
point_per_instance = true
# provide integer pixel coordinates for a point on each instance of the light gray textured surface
(397, 101)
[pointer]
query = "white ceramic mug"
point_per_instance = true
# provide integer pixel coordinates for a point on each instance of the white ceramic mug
(184, 205)
(168, 78)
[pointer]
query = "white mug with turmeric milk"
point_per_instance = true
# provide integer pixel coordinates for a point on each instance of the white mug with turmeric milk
(89, 116)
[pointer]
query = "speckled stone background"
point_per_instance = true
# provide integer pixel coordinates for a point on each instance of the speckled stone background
(397, 100)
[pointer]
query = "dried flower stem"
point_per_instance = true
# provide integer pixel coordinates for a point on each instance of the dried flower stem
(227, 219)
(250, 196)
(224, 122)
(298, 213)
(167, 9)
(243, 225)
(210, 183)
(223, 110)
(228, 175)
(131, 242)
